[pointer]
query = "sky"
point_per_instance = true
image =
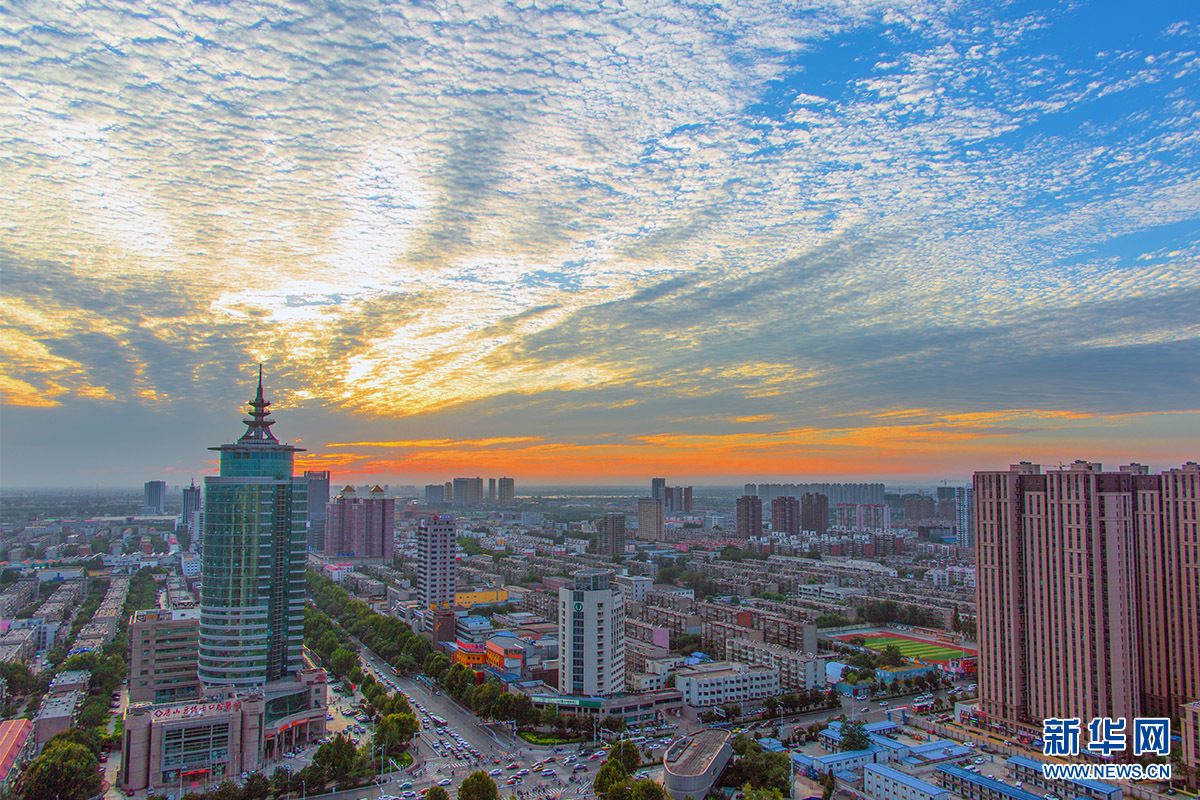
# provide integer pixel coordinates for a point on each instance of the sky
(597, 242)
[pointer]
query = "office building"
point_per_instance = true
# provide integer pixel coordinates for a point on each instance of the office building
(436, 544)
(749, 516)
(318, 498)
(505, 491)
(156, 498)
(814, 512)
(650, 519)
(435, 493)
(163, 645)
(491, 491)
(591, 635)
(360, 528)
(191, 506)
(785, 515)
(468, 492)
(657, 486)
(677, 499)
(1088, 586)
(253, 560)
(610, 535)
(259, 700)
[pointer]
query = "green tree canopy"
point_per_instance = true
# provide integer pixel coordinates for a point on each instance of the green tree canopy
(627, 753)
(613, 773)
(854, 736)
(647, 789)
(478, 786)
(436, 793)
(64, 771)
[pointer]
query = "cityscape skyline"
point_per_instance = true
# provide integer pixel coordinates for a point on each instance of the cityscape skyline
(844, 241)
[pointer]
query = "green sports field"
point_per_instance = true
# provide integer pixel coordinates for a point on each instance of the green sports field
(912, 648)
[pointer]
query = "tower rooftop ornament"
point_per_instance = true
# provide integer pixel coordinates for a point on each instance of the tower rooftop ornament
(258, 428)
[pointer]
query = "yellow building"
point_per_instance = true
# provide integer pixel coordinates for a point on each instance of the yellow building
(479, 597)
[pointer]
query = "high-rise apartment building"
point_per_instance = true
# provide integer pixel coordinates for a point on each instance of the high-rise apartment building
(434, 493)
(657, 485)
(964, 515)
(155, 498)
(318, 498)
(491, 491)
(814, 512)
(591, 635)
(360, 527)
(468, 492)
(785, 515)
(650, 519)
(863, 517)
(505, 491)
(918, 507)
(1088, 589)
(749, 516)
(436, 544)
(253, 560)
(677, 499)
(610, 535)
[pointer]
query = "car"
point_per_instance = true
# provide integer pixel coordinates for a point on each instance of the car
(883, 703)
(494, 771)
(1017, 784)
(522, 771)
(409, 795)
(513, 765)
(981, 760)
(405, 785)
(580, 768)
(445, 782)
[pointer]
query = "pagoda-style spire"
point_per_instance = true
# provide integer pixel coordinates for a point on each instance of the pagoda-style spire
(258, 429)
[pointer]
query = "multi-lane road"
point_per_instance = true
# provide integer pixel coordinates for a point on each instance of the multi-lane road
(446, 754)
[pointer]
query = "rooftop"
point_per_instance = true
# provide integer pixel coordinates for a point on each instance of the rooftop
(1011, 792)
(904, 779)
(697, 753)
(1099, 786)
(13, 735)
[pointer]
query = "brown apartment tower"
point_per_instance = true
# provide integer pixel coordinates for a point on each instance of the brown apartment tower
(1088, 592)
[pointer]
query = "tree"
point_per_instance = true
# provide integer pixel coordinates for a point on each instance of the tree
(829, 785)
(854, 736)
(478, 786)
(627, 754)
(891, 656)
(771, 705)
(256, 787)
(436, 793)
(395, 732)
(342, 662)
(614, 724)
(17, 676)
(336, 758)
(281, 780)
(613, 773)
(88, 738)
(65, 771)
(762, 793)
(646, 789)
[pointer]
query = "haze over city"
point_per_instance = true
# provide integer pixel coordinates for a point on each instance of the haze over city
(897, 241)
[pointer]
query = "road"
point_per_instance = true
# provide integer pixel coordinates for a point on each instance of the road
(444, 755)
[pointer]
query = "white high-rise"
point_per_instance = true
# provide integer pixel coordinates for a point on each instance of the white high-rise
(436, 545)
(591, 635)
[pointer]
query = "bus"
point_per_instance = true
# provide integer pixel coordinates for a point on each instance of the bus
(438, 722)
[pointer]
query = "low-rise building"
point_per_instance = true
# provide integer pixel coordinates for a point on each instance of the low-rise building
(721, 682)
(692, 765)
(1029, 771)
(56, 714)
(797, 670)
(887, 783)
(972, 786)
(17, 748)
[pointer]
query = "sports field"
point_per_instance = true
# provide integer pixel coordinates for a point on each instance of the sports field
(910, 647)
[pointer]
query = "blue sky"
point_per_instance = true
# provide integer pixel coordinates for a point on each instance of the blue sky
(712, 240)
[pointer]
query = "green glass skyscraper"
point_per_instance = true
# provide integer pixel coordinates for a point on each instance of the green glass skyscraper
(253, 560)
